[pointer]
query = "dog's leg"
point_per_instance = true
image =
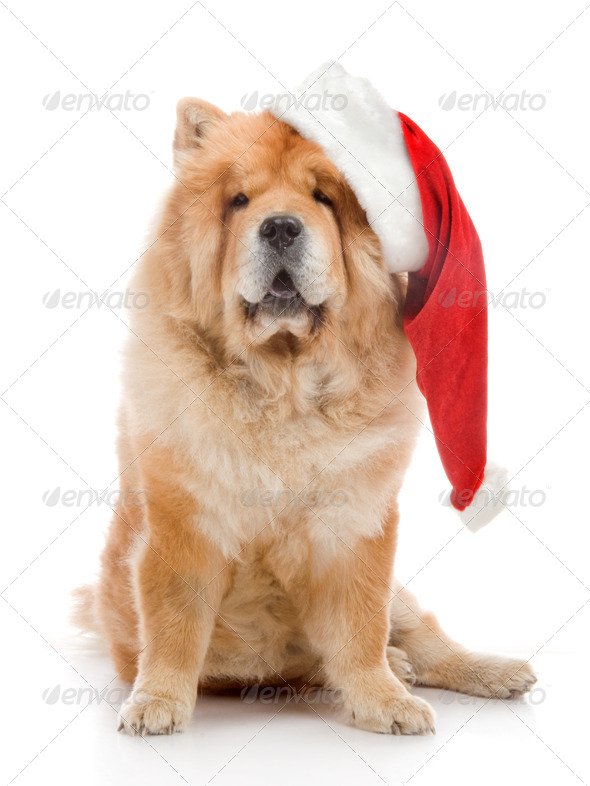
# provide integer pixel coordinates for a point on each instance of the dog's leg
(440, 662)
(347, 624)
(179, 584)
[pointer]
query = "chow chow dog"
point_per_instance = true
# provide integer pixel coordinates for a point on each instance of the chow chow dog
(268, 417)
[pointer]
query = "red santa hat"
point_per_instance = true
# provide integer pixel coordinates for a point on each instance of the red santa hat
(404, 184)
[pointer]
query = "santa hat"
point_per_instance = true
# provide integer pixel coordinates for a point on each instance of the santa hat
(404, 184)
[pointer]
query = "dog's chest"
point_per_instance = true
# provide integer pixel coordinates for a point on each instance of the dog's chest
(306, 475)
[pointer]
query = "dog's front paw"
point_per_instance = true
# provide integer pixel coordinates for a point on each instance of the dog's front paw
(148, 713)
(396, 714)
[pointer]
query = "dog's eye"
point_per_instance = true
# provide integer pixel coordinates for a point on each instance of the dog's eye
(319, 196)
(240, 200)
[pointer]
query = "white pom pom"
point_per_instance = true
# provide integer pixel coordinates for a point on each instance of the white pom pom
(489, 500)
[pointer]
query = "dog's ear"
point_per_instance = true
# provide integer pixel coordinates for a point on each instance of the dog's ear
(194, 118)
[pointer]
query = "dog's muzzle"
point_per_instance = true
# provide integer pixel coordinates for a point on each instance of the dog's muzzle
(278, 265)
(284, 273)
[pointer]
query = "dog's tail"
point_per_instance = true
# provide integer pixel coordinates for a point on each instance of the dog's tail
(84, 612)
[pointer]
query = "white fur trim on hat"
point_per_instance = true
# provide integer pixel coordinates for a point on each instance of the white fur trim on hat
(489, 500)
(363, 137)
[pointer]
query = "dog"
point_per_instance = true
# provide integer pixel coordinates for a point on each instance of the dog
(267, 420)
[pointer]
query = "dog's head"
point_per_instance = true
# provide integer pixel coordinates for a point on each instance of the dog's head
(277, 244)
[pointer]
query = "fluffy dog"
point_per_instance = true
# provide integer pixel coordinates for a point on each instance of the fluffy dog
(266, 425)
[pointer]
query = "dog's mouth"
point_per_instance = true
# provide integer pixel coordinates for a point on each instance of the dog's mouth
(282, 299)
(282, 287)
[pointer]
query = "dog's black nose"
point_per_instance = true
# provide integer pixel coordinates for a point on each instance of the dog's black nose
(280, 231)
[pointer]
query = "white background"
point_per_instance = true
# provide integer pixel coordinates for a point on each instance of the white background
(79, 188)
